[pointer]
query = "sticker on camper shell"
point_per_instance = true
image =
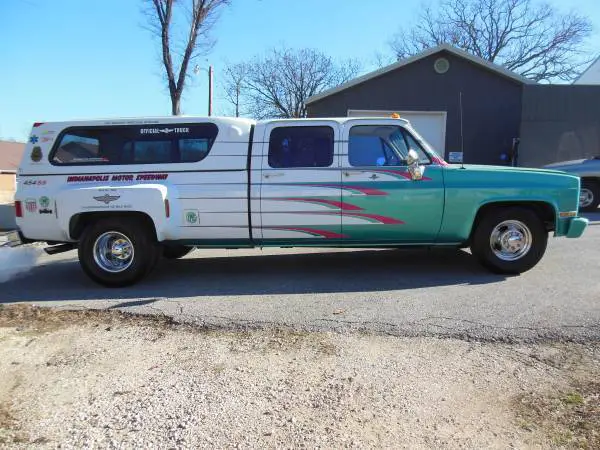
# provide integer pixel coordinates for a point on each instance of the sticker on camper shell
(33, 139)
(44, 202)
(36, 154)
(35, 182)
(31, 205)
(106, 198)
(164, 130)
(191, 216)
(117, 177)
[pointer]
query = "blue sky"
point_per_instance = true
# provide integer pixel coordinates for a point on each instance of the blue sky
(75, 59)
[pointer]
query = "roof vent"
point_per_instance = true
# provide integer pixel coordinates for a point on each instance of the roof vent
(441, 65)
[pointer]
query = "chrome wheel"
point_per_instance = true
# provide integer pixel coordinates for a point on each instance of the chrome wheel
(113, 252)
(511, 240)
(586, 197)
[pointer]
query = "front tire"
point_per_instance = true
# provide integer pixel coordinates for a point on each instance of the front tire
(589, 198)
(117, 252)
(509, 240)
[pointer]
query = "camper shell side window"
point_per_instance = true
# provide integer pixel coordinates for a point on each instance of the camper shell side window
(122, 145)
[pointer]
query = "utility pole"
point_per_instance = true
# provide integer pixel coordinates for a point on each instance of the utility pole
(210, 90)
(197, 70)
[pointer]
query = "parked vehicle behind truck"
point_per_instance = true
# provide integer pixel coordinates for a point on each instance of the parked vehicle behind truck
(589, 172)
(126, 192)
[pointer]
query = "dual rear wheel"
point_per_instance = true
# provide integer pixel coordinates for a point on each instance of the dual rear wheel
(120, 252)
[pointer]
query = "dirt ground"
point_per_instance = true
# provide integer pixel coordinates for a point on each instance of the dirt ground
(92, 379)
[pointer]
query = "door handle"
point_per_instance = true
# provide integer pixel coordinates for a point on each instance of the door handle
(272, 175)
(374, 176)
(349, 174)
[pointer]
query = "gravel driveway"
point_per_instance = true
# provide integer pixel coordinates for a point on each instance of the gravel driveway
(104, 380)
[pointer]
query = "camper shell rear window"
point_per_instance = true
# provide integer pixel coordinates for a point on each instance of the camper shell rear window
(141, 144)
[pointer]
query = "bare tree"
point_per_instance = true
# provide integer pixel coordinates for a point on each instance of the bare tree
(192, 40)
(278, 84)
(233, 79)
(524, 36)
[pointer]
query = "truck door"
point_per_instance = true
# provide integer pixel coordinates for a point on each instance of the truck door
(384, 204)
(300, 184)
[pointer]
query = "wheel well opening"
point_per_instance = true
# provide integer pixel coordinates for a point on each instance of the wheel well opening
(544, 211)
(79, 222)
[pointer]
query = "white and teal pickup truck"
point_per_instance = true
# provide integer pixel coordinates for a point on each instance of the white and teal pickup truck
(126, 192)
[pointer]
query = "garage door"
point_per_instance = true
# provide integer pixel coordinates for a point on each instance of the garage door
(430, 124)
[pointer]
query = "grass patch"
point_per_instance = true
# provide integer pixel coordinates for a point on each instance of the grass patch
(32, 319)
(9, 427)
(568, 419)
(573, 398)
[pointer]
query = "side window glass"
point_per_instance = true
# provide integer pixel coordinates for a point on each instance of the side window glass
(151, 144)
(193, 150)
(301, 147)
(196, 141)
(374, 145)
(152, 152)
(381, 145)
(78, 148)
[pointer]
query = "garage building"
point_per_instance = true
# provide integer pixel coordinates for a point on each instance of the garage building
(469, 108)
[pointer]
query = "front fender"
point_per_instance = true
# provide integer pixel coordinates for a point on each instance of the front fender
(460, 216)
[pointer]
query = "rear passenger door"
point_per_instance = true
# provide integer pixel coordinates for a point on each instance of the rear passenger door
(300, 184)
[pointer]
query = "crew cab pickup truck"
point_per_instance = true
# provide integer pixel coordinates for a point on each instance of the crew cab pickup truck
(126, 192)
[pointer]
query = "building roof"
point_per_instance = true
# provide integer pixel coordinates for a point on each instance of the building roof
(591, 75)
(10, 155)
(431, 51)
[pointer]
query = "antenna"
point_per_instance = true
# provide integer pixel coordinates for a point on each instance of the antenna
(462, 138)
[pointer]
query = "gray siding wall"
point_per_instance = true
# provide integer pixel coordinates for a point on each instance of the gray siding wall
(491, 103)
(560, 123)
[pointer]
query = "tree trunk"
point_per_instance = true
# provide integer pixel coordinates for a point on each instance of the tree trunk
(175, 105)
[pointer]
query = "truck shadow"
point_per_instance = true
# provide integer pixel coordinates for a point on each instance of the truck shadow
(293, 273)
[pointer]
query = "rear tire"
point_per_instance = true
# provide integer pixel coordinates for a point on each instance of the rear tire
(176, 251)
(589, 198)
(117, 252)
(509, 240)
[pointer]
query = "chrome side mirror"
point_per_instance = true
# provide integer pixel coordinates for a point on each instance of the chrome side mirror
(412, 158)
(414, 168)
